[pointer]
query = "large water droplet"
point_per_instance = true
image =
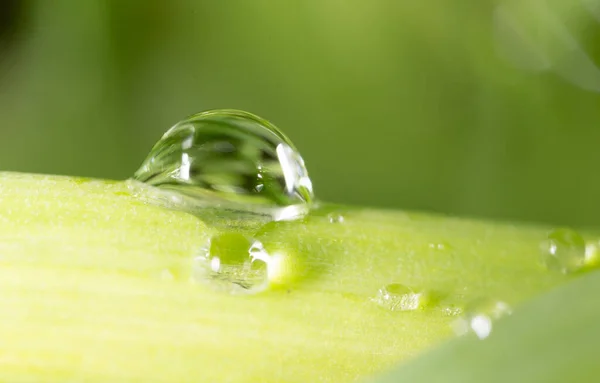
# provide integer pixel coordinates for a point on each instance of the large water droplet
(234, 263)
(230, 159)
(398, 297)
(479, 316)
(563, 250)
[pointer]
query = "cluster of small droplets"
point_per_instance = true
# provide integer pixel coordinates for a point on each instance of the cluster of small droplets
(475, 316)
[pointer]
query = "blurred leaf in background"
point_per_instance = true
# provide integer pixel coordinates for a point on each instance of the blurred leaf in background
(487, 109)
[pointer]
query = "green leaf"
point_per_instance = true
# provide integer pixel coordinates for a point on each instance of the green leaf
(551, 339)
(95, 286)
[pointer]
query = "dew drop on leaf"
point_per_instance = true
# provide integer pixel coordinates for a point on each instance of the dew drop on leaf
(230, 159)
(398, 297)
(233, 263)
(335, 218)
(563, 250)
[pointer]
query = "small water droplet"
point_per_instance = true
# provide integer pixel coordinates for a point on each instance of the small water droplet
(398, 297)
(563, 250)
(335, 218)
(230, 159)
(479, 315)
(235, 263)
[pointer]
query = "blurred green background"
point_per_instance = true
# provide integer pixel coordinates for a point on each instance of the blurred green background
(481, 108)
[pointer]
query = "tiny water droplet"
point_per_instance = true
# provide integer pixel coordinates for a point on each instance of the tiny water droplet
(563, 250)
(234, 263)
(398, 297)
(335, 218)
(230, 159)
(479, 315)
(226, 263)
